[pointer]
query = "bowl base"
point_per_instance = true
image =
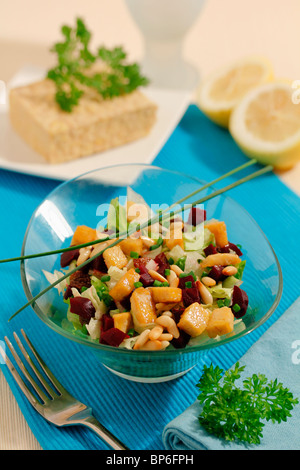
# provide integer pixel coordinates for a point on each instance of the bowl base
(148, 379)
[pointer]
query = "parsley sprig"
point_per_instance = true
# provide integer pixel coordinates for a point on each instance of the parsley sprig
(73, 71)
(238, 414)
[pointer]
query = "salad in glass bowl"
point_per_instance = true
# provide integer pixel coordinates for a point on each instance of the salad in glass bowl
(156, 285)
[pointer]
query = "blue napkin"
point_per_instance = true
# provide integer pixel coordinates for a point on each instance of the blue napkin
(277, 355)
(132, 410)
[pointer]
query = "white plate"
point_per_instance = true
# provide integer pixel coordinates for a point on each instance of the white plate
(16, 155)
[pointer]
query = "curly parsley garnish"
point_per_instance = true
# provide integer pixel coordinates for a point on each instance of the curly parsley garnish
(237, 414)
(74, 61)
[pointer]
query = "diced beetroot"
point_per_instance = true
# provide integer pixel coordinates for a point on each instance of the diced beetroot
(146, 279)
(230, 246)
(125, 303)
(177, 312)
(235, 248)
(162, 262)
(196, 216)
(210, 250)
(68, 293)
(143, 269)
(216, 273)
(98, 264)
(182, 341)
(113, 337)
(183, 280)
(82, 307)
(140, 263)
(224, 249)
(240, 298)
(107, 322)
(67, 257)
(190, 295)
(85, 269)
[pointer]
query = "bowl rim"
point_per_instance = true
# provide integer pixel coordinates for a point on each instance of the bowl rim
(106, 348)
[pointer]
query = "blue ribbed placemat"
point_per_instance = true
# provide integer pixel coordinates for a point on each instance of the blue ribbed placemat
(137, 413)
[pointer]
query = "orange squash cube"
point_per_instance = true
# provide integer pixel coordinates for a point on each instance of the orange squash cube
(220, 322)
(166, 294)
(220, 232)
(174, 237)
(136, 210)
(83, 234)
(132, 244)
(194, 319)
(142, 309)
(123, 321)
(124, 286)
(171, 242)
(114, 256)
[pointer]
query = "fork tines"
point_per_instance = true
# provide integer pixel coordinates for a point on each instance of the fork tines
(34, 377)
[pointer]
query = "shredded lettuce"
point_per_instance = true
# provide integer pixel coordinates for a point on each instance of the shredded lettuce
(221, 292)
(102, 290)
(93, 328)
(230, 282)
(240, 267)
(115, 275)
(198, 239)
(191, 262)
(208, 238)
(73, 317)
(194, 239)
(128, 343)
(114, 312)
(55, 276)
(151, 265)
(153, 253)
(176, 253)
(116, 217)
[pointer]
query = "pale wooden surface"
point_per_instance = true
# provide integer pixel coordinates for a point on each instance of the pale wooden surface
(225, 31)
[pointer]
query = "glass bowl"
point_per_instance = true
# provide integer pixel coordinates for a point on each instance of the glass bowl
(80, 202)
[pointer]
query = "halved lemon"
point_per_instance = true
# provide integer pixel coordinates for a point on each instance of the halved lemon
(221, 91)
(266, 125)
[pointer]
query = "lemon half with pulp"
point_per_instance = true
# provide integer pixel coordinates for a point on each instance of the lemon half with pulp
(266, 125)
(221, 91)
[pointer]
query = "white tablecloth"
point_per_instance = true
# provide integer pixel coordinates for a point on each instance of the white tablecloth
(14, 431)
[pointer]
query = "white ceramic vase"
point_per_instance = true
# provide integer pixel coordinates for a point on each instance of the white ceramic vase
(164, 25)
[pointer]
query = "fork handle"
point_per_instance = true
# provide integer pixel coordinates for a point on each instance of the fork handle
(106, 436)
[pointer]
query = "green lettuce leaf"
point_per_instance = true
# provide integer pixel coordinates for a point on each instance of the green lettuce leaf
(116, 217)
(240, 267)
(221, 292)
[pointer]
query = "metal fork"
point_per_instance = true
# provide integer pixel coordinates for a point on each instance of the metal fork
(56, 405)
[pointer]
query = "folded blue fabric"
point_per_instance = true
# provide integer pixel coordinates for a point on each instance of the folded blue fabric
(277, 355)
(196, 147)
